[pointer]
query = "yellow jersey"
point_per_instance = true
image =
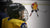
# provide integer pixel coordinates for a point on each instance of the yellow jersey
(34, 6)
(12, 23)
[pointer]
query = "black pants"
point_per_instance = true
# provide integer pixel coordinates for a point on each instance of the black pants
(35, 10)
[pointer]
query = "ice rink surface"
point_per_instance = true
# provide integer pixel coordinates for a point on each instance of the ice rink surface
(34, 21)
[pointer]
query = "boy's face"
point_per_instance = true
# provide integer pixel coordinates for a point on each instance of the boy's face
(22, 15)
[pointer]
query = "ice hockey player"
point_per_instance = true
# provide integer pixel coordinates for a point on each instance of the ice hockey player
(16, 17)
(34, 7)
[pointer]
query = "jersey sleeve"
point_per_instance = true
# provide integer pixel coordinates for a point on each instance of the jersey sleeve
(32, 5)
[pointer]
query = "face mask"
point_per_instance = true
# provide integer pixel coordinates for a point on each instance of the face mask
(24, 15)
